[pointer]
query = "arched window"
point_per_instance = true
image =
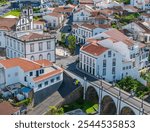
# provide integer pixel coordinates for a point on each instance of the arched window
(14, 54)
(32, 58)
(40, 57)
(49, 56)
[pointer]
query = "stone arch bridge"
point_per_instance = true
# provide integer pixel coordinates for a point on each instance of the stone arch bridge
(111, 100)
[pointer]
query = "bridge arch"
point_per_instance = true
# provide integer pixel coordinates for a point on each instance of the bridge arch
(127, 111)
(108, 106)
(91, 95)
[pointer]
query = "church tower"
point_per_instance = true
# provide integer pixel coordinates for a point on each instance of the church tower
(28, 13)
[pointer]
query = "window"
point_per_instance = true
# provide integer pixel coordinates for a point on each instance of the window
(52, 80)
(14, 54)
(25, 79)
(104, 63)
(22, 47)
(114, 54)
(40, 57)
(104, 56)
(40, 86)
(8, 75)
(10, 42)
(32, 58)
(126, 67)
(49, 56)
(16, 74)
(123, 68)
(31, 73)
(48, 44)
(46, 83)
(31, 47)
(113, 70)
(18, 46)
(104, 71)
(0, 33)
(41, 71)
(109, 53)
(40, 46)
(129, 67)
(58, 78)
(114, 62)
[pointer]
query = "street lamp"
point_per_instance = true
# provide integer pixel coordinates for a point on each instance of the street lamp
(100, 92)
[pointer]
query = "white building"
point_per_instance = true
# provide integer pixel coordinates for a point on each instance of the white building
(113, 56)
(55, 20)
(6, 25)
(82, 14)
(87, 30)
(142, 4)
(140, 31)
(42, 76)
(31, 45)
(24, 23)
(103, 4)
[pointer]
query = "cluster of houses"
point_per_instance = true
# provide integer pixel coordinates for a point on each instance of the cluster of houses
(109, 53)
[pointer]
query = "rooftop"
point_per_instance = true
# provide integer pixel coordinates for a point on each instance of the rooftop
(94, 49)
(8, 23)
(7, 109)
(25, 64)
(47, 75)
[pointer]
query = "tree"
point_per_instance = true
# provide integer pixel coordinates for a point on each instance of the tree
(55, 111)
(72, 43)
(69, 2)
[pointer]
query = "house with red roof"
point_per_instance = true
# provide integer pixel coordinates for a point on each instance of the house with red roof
(42, 76)
(113, 56)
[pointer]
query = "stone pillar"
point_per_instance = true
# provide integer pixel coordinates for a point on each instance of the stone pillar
(84, 91)
(118, 104)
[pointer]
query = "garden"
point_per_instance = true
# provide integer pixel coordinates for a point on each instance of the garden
(131, 85)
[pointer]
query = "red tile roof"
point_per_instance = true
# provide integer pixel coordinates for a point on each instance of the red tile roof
(8, 23)
(54, 14)
(25, 64)
(48, 75)
(44, 62)
(94, 49)
(119, 36)
(7, 109)
(32, 36)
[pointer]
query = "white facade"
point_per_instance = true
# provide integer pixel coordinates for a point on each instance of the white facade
(2, 38)
(41, 47)
(142, 4)
(82, 14)
(140, 31)
(84, 31)
(116, 62)
(107, 4)
(26, 20)
(54, 19)
(33, 77)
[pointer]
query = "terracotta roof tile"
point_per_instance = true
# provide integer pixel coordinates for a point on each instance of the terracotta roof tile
(119, 36)
(8, 23)
(7, 109)
(25, 64)
(48, 75)
(32, 36)
(94, 49)
(44, 62)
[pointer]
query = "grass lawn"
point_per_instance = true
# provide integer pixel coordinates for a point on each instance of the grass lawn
(87, 107)
(13, 13)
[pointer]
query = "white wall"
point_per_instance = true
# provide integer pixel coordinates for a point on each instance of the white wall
(2, 38)
(77, 17)
(44, 52)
